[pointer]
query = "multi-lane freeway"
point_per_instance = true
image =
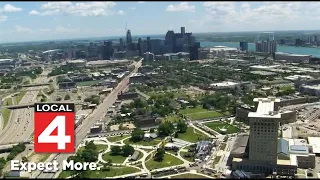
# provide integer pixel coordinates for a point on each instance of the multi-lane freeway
(82, 129)
(20, 126)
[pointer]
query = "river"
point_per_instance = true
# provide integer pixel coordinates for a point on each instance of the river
(315, 52)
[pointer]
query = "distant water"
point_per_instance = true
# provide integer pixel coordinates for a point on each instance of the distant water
(287, 49)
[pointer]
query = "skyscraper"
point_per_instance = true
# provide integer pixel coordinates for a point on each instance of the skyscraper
(149, 44)
(183, 30)
(264, 125)
(170, 41)
(107, 50)
(243, 46)
(129, 38)
(266, 46)
(121, 44)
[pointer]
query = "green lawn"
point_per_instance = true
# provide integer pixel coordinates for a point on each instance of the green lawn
(205, 115)
(87, 83)
(182, 153)
(190, 136)
(20, 96)
(167, 161)
(216, 125)
(172, 118)
(115, 159)
(216, 160)
(117, 138)
(189, 176)
(7, 102)
(143, 143)
(193, 110)
(5, 115)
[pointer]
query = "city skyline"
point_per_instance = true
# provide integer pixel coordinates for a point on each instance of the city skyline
(34, 21)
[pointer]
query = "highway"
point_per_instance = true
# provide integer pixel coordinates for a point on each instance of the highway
(20, 125)
(83, 129)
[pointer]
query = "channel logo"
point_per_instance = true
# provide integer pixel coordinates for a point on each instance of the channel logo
(54, 127)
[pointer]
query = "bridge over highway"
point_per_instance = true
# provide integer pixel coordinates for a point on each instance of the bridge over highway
(21, 106)
(34, 85)
(8, 147)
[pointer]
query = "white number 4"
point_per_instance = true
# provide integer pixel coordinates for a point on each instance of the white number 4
(61, 139)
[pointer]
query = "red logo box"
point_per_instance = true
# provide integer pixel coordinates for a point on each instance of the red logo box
(54, 128)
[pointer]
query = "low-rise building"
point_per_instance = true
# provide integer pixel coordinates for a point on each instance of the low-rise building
(77, 63)
(128, 95)
(292, 58)
(224, 85)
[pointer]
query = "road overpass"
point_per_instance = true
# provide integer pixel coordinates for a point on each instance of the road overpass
(8, 147)
(31, 105)
(35, 85)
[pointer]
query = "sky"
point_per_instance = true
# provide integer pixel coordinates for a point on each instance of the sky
(33, 21)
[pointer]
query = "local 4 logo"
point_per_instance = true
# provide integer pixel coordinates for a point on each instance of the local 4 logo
(54, 128)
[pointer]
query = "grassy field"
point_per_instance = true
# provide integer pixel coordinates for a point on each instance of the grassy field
(176, 94)
(189, 176)
(102, 174)
(143, 143)
(172, 118)
(20, 96)
(87, 83)
(223, 146)
(186, 158)
(117, 138)
(115, 159)
(5, 115)
(216, 160)
(7, 102)
(198, 113)
(193, 110)
(216, 125)
(190, 136)
(167, 161)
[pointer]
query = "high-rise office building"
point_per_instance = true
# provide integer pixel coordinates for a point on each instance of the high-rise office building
(243, 46)
(170, 41)
(183, 30)
(107, 50)
(264, 126)
(149, 44)
(129, 38)
(121, 44)
(266, 47)
(139, 47)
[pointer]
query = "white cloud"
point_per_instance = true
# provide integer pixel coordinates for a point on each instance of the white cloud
(45, 30)
(22, 29)
(228, 16)
(61, 29)
(77, 9)
(120, 12)
(34, 12)
(182, 7)
(3, 18)
(8, 8)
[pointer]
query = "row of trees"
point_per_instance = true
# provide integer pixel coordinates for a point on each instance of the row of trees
(19, 148)
(125, 150)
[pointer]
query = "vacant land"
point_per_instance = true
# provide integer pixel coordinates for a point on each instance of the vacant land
(167, 161)
(7, 102)
(189, 176)
(217, 126)
(191, 136)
